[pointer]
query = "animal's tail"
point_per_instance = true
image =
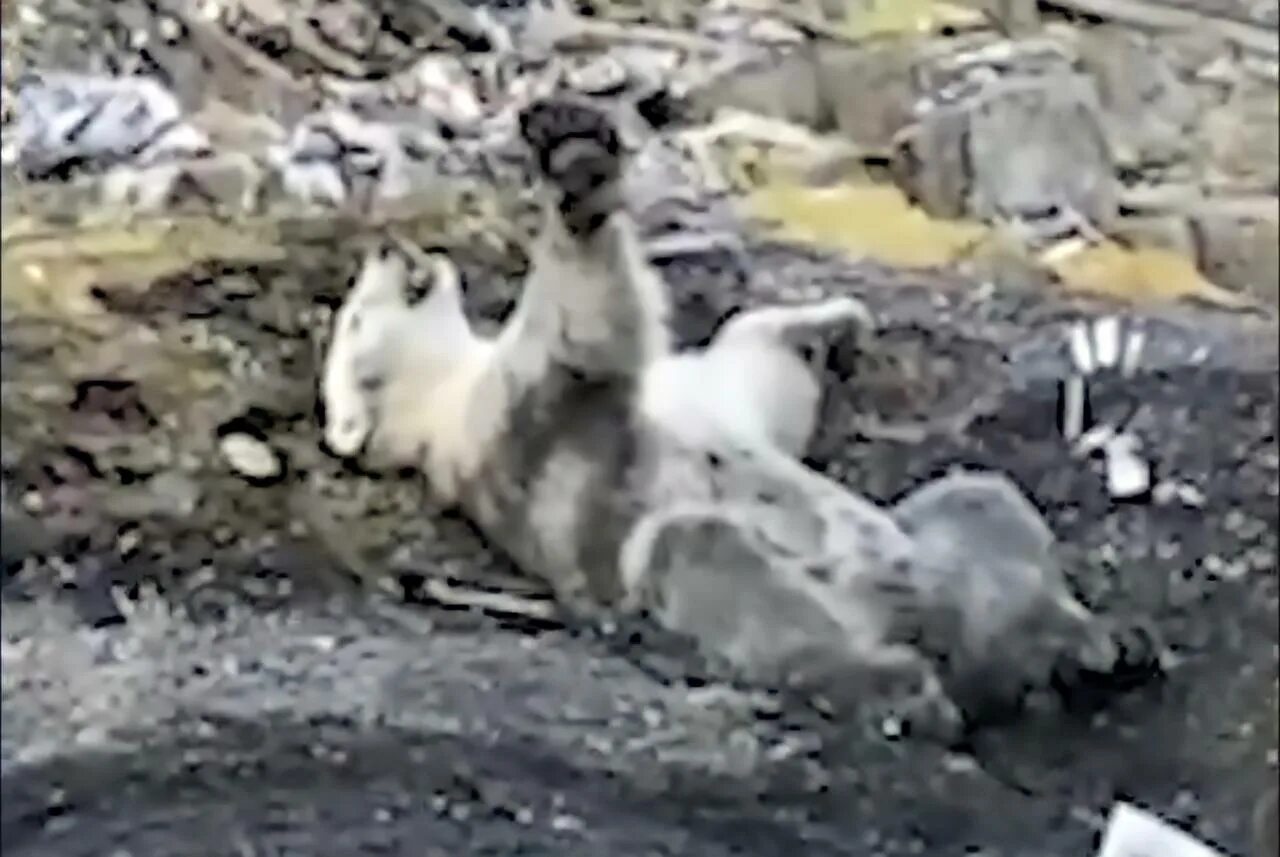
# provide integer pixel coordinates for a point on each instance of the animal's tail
(580, 154)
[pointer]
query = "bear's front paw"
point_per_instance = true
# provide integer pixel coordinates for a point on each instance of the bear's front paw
(579, 152)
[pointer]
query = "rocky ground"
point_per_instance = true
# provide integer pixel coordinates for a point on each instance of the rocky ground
(328, 670)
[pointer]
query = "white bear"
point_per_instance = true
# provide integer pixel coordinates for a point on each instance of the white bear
(625, 474)
(750, 383)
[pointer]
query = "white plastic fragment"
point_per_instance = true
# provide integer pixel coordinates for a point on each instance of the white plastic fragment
(1081, 348)
(1132, 352)
(1128, 473)
(1106, 341)
(1073, 407)
(1096, 438)
(1132, 832)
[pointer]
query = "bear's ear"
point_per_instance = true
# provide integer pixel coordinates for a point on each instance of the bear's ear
(383, 277)
(435, 281)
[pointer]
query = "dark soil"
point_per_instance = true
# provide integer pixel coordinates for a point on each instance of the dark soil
(341, 727)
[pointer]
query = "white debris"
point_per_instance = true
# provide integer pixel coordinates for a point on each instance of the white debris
(1073, 407)
(597, 76)
(565, 823)
(446, 90)
(1097, 438)
(1128, 473)
(1106, 341)
(891, 728)
(1132, 832)
(1133, 346)
(249, 456)
(1063, 250)
(170, 28)
(1166, 493)
(1081, 348)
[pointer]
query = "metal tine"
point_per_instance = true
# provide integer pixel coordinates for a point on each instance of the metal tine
(1081, 348)
(1133, 348)
(1106, 341)
(1073, 400)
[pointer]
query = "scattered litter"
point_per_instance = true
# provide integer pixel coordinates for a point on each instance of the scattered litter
(1073, 393)
(1132, 832)
(1128, 473)
(1081, 348)
(1166, 493)
(1106, 338)
(1107, 344)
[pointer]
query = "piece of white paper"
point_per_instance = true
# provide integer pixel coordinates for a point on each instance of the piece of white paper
(1132, 832)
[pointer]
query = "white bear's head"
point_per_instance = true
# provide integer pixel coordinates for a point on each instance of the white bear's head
(387, 354)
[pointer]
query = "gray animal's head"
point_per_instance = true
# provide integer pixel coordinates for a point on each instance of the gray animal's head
(386, 354)
(992, 560)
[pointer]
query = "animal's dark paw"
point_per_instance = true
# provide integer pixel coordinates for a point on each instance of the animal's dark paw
(576, 144)
(934, 718)
(1138, 662)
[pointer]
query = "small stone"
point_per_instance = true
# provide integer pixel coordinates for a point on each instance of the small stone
(1166, 493)
(127, 541)
(250, 457)
(179, 493)
(565, 823)
(598, 77)
(959, 763)
(324, 643)
(170, 28)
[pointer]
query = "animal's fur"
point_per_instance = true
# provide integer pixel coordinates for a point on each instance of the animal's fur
(750, 383)
(617, 471)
